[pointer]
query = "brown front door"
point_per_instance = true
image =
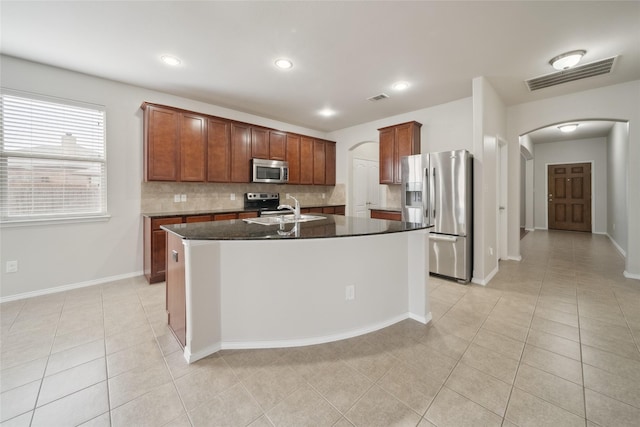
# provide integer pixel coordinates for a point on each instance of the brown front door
(569, 197)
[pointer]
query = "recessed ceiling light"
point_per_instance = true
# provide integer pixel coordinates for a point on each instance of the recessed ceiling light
(170, 60)
(567, 60)
(327, 112)
(283, 63)
(400, 86)
(568, 128)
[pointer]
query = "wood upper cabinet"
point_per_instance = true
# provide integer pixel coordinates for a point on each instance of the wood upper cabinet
(259, 143)
(161, 147)
(319, 162)
(240, 152)
(395, 142)
(293, 158)
(155, 251)
(306, 160)
(218, 150)
(277, 145)
(181, 145)
(193, 147)
(175, 144)
(330, 163)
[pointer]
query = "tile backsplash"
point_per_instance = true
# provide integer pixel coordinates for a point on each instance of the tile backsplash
(158, 197)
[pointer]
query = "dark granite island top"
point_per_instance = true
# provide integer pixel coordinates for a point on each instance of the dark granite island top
(331, 226)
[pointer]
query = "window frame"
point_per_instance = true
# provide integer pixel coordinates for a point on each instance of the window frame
(66, 216)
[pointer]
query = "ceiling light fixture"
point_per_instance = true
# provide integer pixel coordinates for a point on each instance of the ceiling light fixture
(568, 128)
(170, 60)
(567, 60)
(283, 63)
(327, 112)
(400, 86)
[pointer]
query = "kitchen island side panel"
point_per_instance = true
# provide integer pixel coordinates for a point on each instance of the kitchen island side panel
(261, 294)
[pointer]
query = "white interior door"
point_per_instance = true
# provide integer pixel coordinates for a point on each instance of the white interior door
(366, 186)
(360, 183)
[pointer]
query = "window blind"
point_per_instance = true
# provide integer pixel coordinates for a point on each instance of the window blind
(52, 158)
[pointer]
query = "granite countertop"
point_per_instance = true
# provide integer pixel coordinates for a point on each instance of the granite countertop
(218, 211)
(331, 226)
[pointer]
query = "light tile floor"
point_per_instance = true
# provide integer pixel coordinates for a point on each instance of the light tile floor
(552, 340)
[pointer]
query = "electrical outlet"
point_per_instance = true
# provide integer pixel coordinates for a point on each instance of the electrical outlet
(12, 267)
(323, 195)
(490, 250)
(350, 293)
(176, 198)
(288, 195)
(233, 196)
(183, 198)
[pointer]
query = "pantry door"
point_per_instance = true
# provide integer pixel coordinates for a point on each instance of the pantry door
(569, 197)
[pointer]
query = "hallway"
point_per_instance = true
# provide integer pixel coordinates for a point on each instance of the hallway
(553, 340)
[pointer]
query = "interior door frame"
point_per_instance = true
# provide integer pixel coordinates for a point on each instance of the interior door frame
(593, 194)
(502, 201)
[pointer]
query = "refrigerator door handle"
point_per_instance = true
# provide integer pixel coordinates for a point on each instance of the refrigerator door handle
(433, 194)
(439, 238)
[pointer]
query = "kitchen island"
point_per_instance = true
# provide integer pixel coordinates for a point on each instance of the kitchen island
(234, 284)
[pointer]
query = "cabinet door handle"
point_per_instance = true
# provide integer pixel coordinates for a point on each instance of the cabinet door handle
(174, 255)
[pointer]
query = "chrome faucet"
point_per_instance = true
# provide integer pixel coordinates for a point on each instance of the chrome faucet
(295, 210)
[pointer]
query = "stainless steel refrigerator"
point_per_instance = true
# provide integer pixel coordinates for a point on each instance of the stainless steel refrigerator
(437, 189)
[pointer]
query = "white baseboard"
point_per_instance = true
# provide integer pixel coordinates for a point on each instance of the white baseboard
(631, 275)
(314, 340)
(617, 246)
(487, 279)
(514, 258)
(194, 357)
(541, 228)
(530, 229)
(422, 319)
(70, 287)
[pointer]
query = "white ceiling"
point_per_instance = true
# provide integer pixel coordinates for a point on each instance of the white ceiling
(586, 129)
(344, 52)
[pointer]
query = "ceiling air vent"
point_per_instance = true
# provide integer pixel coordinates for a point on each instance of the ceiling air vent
(378, 97)
(577, 73)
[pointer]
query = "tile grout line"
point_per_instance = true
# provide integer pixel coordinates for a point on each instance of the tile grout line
(513, 385)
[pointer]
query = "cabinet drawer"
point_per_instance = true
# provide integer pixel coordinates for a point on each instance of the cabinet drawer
(224, 217)
(242, 215)
(158, 222)
(393, 216)
(199, 218)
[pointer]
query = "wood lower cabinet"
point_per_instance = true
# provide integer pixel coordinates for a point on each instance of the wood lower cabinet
(389, 215)
(395, 142)
(176, 294)
(243, 215)
(155, 251)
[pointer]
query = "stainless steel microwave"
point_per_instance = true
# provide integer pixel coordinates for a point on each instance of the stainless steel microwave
(272, 171)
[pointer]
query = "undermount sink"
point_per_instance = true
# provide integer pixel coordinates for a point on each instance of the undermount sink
(282, 219)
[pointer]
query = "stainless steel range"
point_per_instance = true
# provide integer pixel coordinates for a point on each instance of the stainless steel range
(264, 203)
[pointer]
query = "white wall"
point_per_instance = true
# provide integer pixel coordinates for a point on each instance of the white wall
(83, 253)
(489, 124)
(523, 191)
(579, 151)
(616, 102)
(617, 185)
(444, 127)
